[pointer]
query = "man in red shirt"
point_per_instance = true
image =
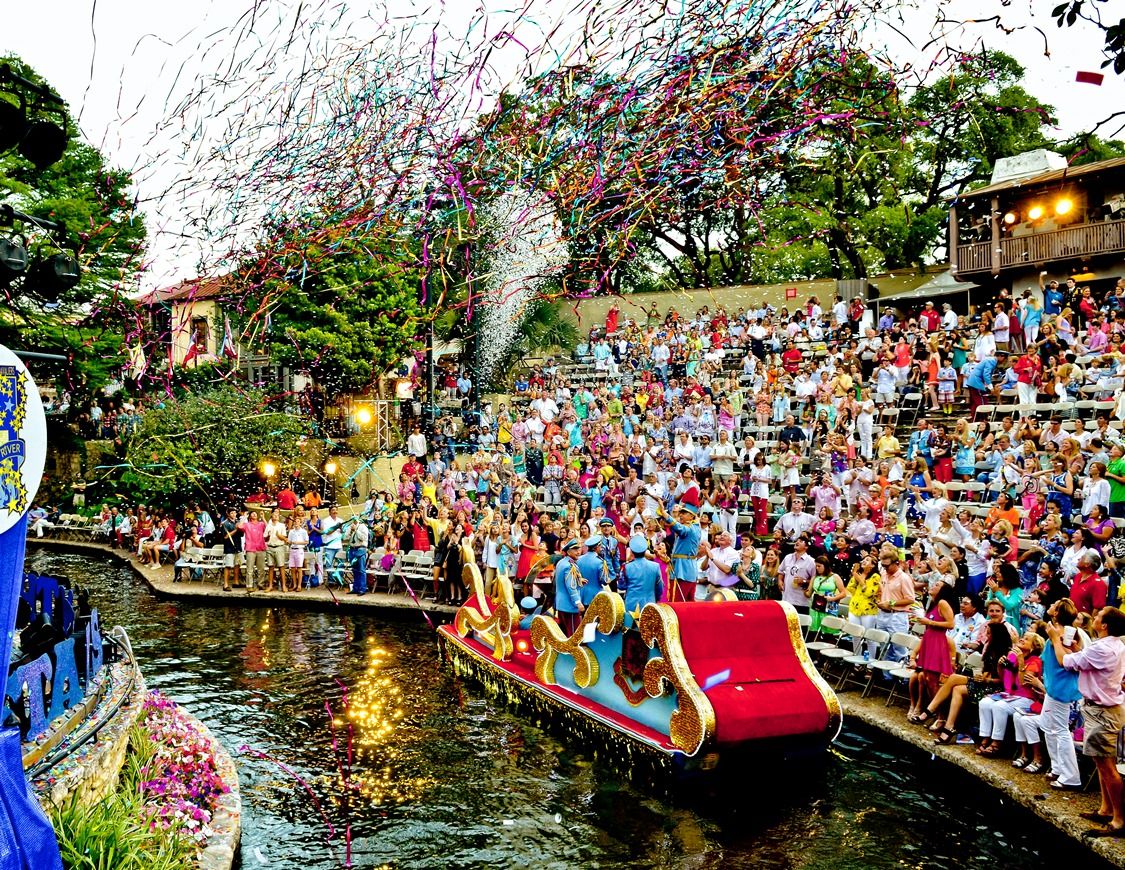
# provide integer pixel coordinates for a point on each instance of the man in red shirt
(1029, 370)
(414, 469)
(286, 499)
(929, 318)
(1088, 589)
(791, 359)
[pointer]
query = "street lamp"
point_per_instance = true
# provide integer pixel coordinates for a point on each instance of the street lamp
(41, 142)
(330, 467)
(269, 469)
(363, 415)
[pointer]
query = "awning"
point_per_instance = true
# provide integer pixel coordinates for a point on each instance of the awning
(943, 284)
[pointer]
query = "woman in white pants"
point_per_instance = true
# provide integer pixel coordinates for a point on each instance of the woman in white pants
(864, 423)
(1026, 727)
(1019, 668)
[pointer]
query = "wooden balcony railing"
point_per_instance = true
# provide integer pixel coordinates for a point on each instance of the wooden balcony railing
(1103, 237)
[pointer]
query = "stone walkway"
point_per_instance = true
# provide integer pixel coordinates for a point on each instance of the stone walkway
(1033, 791)
(211, 592)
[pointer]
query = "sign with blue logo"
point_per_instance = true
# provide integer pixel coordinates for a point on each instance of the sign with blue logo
(27, 841)
(23, 439)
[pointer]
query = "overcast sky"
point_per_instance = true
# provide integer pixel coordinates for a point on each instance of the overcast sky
(121, 64)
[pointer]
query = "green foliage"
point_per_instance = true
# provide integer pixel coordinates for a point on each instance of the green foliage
(547, 327)
(1089, 11)
(106, 228)
(865, 189)
(969, 119)
(111, 835)
(208, 444)
(346, 310)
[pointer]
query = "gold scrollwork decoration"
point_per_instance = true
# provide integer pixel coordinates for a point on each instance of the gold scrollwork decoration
(606, 611)
(494, 617)
(831, 702)
(693, 721)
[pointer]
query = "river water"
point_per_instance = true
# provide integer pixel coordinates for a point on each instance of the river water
(440, 776)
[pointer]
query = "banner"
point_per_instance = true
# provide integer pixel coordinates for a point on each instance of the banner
(27, 841)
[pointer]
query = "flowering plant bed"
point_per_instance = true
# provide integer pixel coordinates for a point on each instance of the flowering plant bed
(180, 783)
(159, 818)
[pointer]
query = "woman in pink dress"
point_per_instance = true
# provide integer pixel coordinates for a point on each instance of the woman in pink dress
(934, 656)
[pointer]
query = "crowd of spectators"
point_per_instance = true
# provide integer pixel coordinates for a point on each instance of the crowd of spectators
(766, 454)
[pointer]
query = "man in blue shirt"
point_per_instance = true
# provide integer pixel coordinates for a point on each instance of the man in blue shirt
(594, 571)
(642, 581)
(979, 381)
(1053, 297)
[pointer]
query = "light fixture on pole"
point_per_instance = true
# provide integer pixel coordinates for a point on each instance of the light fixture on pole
(38, 140)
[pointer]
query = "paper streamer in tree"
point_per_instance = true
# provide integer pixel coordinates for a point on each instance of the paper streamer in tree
(27, 841)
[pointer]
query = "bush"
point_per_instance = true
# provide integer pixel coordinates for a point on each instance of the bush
(158, 817)
(115, 834)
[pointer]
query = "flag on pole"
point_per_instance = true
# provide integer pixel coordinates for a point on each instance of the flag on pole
(138, 363)
(229, 349)
(192, 352)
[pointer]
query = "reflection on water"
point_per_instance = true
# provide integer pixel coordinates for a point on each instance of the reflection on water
(355, 732)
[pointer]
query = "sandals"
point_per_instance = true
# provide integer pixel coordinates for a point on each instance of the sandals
(937, 726)
(1034, 767)
(990, 751)
(920, 718)
(945, 737)
(1021, 763)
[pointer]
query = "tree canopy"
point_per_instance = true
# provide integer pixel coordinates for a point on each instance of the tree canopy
(346, 308)
(104, 229)
(208, 445)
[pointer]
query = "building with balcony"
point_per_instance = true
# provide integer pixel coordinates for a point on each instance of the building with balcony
(1037, 215)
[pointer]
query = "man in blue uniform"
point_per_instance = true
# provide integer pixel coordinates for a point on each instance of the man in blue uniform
(642, 581)
(685, 548)
(568, 583)
(607, 549)
(594, 570)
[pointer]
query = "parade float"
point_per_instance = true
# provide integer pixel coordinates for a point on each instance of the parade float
(684, 688)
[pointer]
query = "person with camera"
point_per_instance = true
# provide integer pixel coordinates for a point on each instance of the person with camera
(1100, 666)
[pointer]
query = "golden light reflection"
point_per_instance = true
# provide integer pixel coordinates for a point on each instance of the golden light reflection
(381, 740)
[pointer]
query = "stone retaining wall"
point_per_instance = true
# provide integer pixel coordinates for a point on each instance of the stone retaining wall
(226, 823)
(92, 771)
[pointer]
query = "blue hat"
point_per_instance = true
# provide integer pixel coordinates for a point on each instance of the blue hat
(528, 603)
(570, 545)
(593, 540)
(638, 544)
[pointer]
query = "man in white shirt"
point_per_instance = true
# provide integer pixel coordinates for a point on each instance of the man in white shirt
(416, 443)
(331, 534)
(796, 573)
(966, 624)
(720, 560)
(548, 410)
(949, 318)
(795, 522)
(1000, 327)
